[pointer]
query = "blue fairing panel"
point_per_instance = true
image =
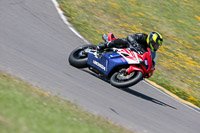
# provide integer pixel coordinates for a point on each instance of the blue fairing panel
(106, 63)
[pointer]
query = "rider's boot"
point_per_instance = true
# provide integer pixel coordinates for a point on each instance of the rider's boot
(101, 47)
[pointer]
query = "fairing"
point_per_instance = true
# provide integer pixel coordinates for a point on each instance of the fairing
(106, 63)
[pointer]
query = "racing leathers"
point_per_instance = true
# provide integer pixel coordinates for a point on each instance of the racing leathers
(138, 41)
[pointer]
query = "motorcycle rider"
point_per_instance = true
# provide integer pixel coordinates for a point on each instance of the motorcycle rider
(140, 41)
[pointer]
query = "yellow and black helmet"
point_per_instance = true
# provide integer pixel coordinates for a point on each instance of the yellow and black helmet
(154, 40)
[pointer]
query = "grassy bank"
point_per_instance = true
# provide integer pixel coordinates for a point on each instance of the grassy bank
(24, 109)
(178, 66)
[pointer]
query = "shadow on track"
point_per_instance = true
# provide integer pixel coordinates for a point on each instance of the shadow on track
(145, 97)
(132, 92)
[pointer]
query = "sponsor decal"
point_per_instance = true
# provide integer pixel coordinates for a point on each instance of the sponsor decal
(99, 65)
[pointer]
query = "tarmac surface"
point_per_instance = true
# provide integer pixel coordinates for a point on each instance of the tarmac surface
(35, 44)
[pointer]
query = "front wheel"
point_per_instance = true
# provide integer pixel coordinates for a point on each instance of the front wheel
(78, 57)
(121, 80)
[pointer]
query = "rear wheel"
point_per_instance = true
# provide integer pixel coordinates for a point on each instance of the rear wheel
(78, 57)
(123, 80)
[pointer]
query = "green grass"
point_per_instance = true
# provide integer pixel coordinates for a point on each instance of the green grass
(178, 66)
(24, 109)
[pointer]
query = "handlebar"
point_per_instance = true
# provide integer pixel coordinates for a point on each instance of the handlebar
(133, 48)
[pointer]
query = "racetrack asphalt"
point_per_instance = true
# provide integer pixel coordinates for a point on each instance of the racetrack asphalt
(35, 45)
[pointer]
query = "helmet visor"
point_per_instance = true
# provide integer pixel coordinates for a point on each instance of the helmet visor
(155, 46)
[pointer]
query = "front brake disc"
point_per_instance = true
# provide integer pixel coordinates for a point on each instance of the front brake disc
(123, 75)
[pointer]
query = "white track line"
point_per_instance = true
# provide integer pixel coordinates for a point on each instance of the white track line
(63, 17)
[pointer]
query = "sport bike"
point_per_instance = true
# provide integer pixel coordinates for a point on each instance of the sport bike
(122, 67)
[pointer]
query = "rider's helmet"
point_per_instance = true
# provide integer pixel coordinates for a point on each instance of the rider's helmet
(154, 40)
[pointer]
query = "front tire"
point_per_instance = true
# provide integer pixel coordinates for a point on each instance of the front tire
(119, 83)
(78, 58)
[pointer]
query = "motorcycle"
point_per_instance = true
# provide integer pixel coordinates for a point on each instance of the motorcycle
(123, 67)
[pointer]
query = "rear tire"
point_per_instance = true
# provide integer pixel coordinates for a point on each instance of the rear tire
(77, 58)
(115, 81)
